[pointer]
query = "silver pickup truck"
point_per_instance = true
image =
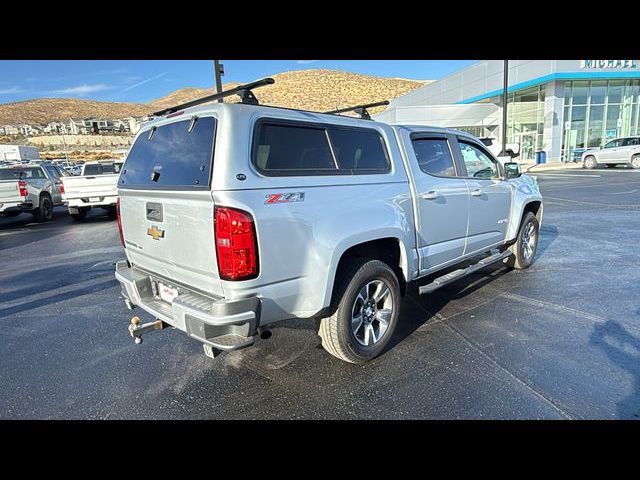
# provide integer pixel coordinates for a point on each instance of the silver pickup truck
(236, 216)
(31, 188)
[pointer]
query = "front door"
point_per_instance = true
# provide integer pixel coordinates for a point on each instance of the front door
(527, 146)
(489, 198)
(442, 200)
(54, 176)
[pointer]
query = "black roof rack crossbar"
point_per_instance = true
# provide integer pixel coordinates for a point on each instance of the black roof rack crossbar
(360, 109)
(243, 91)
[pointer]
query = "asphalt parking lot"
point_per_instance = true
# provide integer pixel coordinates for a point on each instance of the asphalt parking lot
(560, 340)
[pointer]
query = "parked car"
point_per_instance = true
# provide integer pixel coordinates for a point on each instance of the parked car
(96, 186)
(621, 151)
(31, 188)
(237, 216)
(495, 147)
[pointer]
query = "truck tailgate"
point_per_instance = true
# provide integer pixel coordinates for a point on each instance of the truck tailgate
(9, 192)
(171, 234)
(90, 186)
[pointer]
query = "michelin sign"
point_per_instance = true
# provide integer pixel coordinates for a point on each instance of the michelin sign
(608, 64)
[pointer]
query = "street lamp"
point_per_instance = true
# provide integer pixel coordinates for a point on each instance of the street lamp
(504, 108)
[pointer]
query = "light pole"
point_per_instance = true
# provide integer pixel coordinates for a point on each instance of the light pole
(218, 70)
(504, 108)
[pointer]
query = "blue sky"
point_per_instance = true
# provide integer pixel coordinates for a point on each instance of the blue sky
(146, 80)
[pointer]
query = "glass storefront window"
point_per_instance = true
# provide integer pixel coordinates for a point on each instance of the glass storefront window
(525, 120)
(580, 93)
(616, 88)
(599, 111)
(594, 132)
(598, 92)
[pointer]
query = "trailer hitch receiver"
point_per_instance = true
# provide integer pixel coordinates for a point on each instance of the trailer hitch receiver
(136, 329)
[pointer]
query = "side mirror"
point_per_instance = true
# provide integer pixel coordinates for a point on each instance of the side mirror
(511, 170)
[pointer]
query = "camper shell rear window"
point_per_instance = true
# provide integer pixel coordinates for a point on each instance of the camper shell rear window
(176, 155)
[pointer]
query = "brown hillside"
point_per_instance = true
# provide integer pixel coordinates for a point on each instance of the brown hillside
(316, 90)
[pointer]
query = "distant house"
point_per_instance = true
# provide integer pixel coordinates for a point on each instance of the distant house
(55, 128)
(136, 123)
(89, 126)
(26, 129)
(9, 130)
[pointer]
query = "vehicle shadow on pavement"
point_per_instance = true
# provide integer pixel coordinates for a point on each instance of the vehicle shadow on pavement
(548, 234)
(623, 349)
(72, 294)
(418, 310)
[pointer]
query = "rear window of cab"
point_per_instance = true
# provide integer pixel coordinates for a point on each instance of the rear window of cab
(283, 148)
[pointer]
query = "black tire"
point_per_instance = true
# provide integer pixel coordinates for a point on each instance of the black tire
(635, 162)
(520, 259)
(590, 162)
(82, 212)
(44, 212)
(336, 331)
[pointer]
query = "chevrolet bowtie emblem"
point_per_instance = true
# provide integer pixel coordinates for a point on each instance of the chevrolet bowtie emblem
(155, 233)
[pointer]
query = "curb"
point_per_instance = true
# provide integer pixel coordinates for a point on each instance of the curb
(551, 166)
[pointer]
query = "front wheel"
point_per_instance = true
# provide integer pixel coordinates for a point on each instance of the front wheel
(524, 250)
(635, 162)
(366, 304)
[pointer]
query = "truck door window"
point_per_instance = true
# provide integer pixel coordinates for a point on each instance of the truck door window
(53, 173)
(478, 163)
(434, 156)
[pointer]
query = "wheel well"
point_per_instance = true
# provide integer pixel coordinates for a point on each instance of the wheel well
(45, 194)
(386, 250)
(533, 207)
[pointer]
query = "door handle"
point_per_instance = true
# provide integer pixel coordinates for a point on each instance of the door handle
(477, 192)
(432, 195)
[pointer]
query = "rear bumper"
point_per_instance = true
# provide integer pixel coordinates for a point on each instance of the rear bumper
(217, 322)
(16, 207)
(103, 201)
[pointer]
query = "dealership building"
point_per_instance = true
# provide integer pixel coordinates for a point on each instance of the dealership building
(557, 106)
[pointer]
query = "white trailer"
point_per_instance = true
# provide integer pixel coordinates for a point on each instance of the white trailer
(18, 153)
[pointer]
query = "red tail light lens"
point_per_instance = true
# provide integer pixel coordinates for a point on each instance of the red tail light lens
(119, 222)
(61, 187)
(236, 246)
(22, 186)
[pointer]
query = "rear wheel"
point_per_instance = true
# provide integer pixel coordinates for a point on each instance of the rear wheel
(44, 212)
(82, 212)
(590, 162)
(635, 162)
(524, 249)
(366, 304)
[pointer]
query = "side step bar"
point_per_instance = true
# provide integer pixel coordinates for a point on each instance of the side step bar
(463, 272)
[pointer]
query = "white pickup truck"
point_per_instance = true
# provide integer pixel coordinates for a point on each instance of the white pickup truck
(97, 186)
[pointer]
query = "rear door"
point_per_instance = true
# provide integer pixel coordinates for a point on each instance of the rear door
(489, 196)
(166, 205)
(442, 200)
(54, 176)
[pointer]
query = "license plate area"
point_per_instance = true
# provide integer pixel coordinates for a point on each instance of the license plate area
(164, 292)
(95, 199)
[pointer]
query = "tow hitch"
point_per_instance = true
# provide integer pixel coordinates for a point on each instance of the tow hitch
(136, 329)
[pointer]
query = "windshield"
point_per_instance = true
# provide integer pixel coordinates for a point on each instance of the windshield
(27, 173)
(177, 154)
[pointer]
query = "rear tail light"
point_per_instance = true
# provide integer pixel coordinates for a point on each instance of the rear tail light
(61, 187)
(236, 246)
(119, 222)
(22, 186)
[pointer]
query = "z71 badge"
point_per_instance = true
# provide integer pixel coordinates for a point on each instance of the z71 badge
(272, 198)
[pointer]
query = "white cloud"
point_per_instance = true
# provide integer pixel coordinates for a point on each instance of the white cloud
(305, 62)
(146, 80)
(11, 90)
(83, 89)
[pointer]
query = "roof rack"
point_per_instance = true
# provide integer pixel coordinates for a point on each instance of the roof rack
(360, 109)
(243, 91)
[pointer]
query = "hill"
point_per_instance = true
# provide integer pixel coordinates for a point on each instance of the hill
(314, 89)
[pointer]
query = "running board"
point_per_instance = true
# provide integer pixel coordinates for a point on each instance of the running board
(463, 272)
